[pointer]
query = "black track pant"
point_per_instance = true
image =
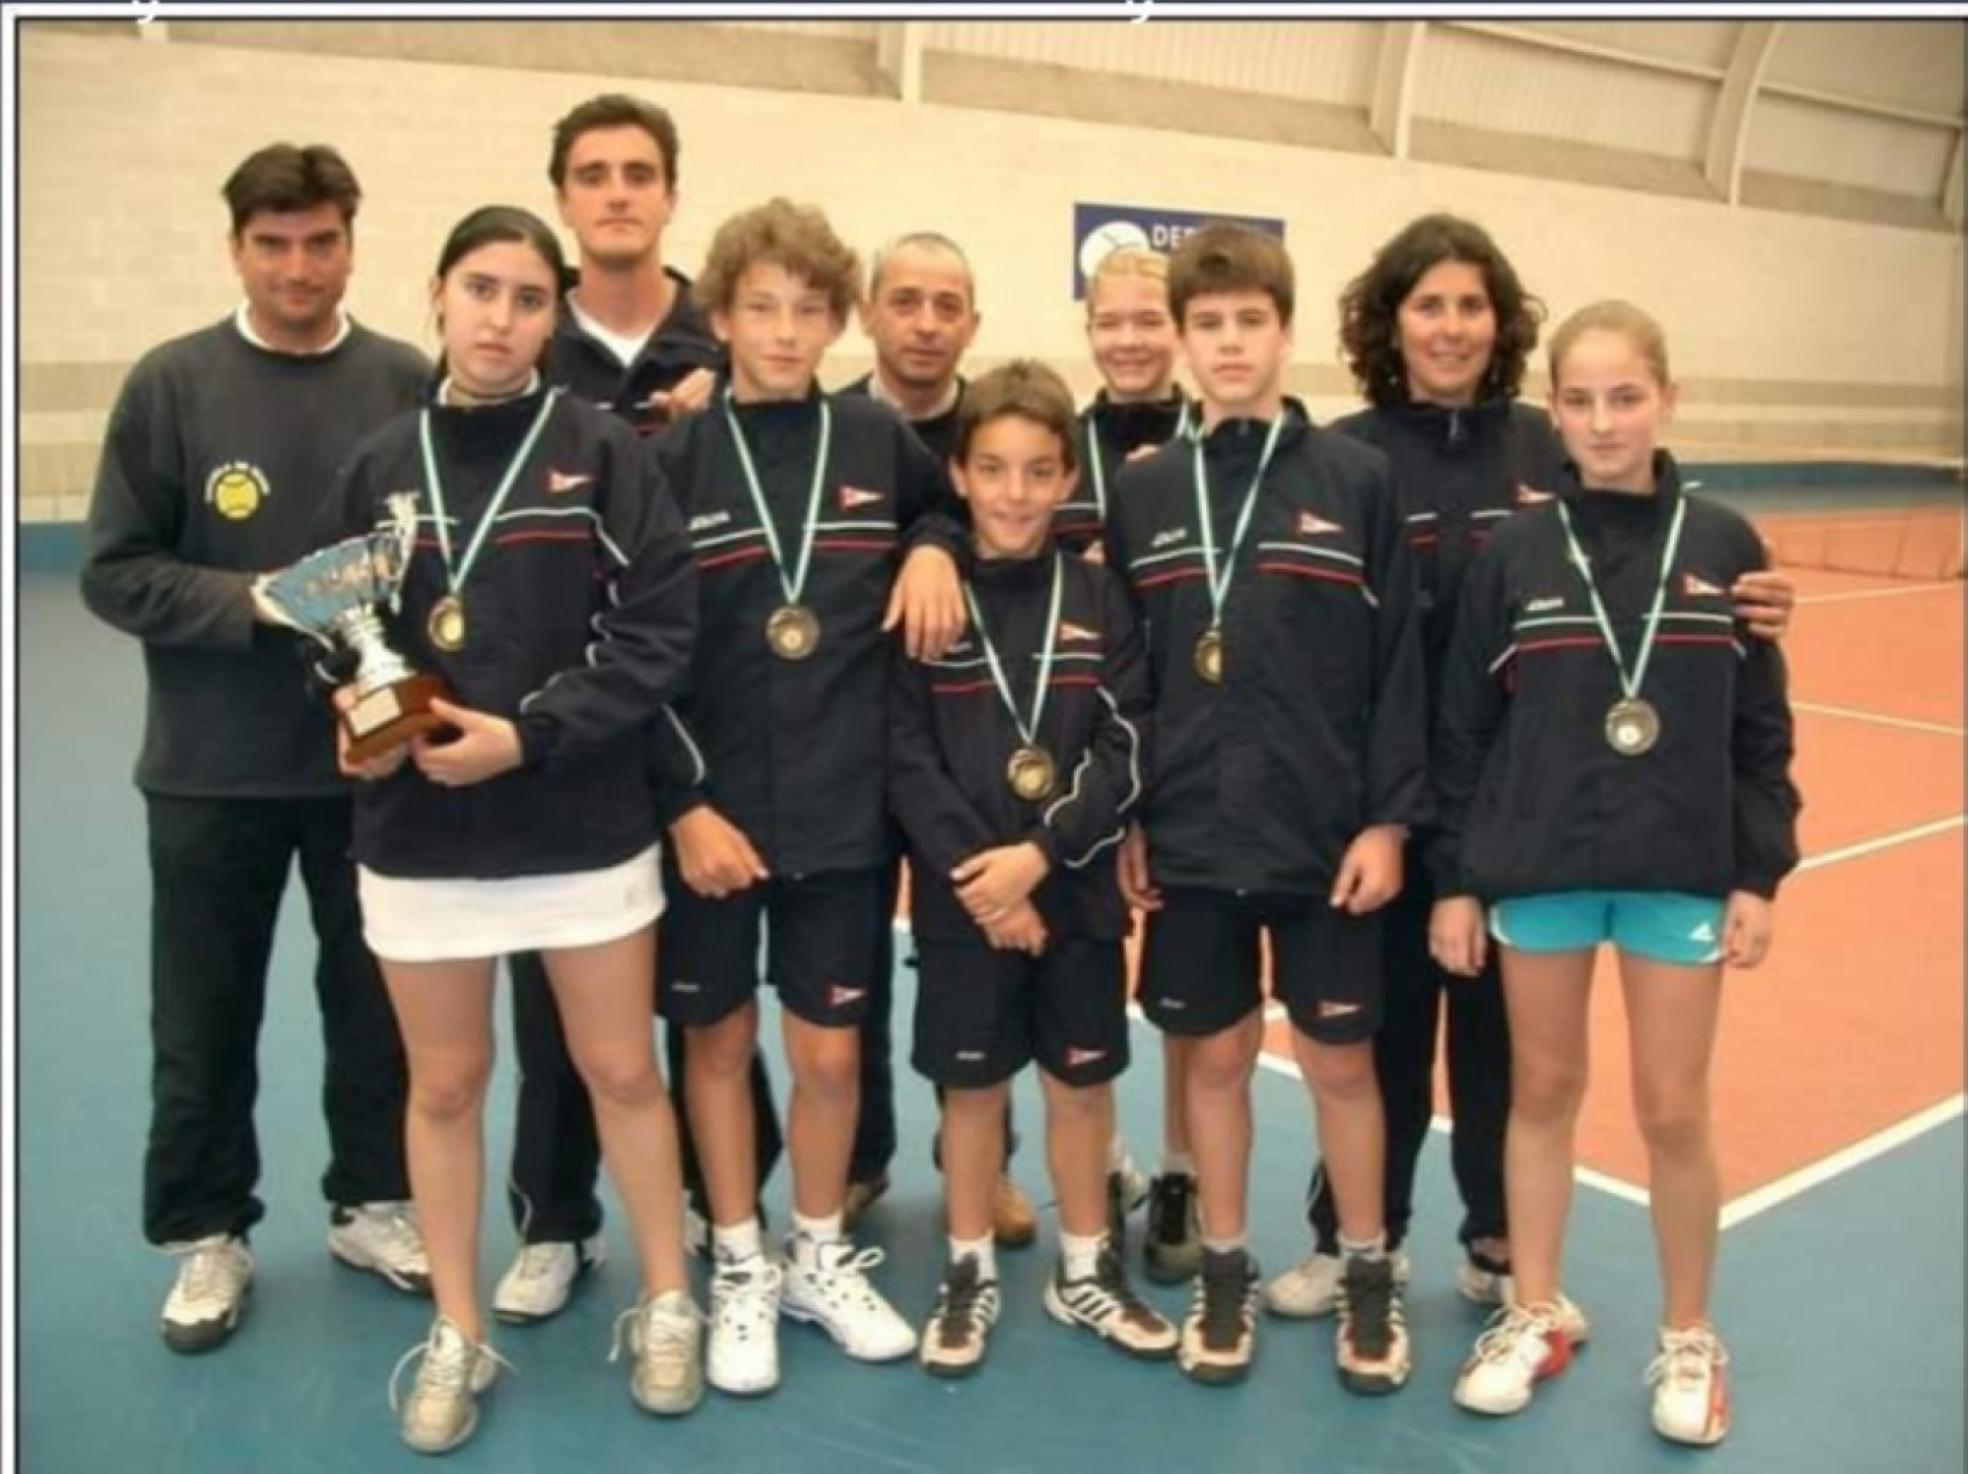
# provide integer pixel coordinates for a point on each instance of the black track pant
(1404, 1058)
(218, 868)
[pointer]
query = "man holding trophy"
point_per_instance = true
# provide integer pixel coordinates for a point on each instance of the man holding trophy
(219, 451)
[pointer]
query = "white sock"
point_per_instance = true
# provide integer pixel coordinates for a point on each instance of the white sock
(820, 1230)
(1226, 1246)
(1080, 1252)
(1118, 1157)
(732, 1242)
(984, 1251)
(1177, 1162)
(1373, 1248)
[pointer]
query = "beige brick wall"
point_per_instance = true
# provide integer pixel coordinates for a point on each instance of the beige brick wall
(1793, 332)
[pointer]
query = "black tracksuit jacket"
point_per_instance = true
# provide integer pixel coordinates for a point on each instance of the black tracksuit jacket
(1533, 799)
(1318, 729)
(1107, 434)
(581, 611)
(682, 344)
(792, 752)
(950, 738)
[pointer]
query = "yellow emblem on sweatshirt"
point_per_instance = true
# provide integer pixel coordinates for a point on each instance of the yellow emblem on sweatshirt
(235, 490)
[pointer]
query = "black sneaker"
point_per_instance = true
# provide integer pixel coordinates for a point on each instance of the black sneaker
(1219, 1334)
(1371, 1344)
(1173, 1249)
(1105, 1303)
(966, 1309)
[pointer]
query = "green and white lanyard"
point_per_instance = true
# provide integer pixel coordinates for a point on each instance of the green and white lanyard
(1630, 680)
(796, 583)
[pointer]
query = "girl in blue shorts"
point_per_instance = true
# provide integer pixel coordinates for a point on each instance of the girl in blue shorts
(1613, 755)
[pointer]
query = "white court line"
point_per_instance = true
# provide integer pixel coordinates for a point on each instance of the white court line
(1819, 708)
(1738, 1210)
(1883, 842)
(1895, 592)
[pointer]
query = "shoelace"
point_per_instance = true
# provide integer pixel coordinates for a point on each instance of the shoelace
(209, 1267)
(1224, 1290)
(1111, 1275)
(1687, 1356)
(536, 1260)
(1172, 1205)
(851, 1267)
(958, 1305)
(745, 1291)
(398, 1226)
(448, 1374)
(666, 1328)
(1510, 1329)
(1367, 1291)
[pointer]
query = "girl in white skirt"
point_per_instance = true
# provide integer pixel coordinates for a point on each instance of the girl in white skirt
(551, 590)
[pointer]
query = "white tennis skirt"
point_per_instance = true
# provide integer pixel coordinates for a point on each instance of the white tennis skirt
(422, 920)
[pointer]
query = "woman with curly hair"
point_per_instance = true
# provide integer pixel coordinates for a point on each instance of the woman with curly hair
(1437, 332)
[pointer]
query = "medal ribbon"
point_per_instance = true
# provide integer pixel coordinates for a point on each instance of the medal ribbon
(1219, 582)
(456, 573)
(1629, 684)
(1027, 731)
(798, 580)
(1094, 455)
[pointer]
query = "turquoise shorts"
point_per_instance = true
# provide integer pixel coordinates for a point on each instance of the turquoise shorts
(1667, 926)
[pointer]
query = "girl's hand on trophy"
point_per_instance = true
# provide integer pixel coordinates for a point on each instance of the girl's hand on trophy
(381, 766)
(485, 747)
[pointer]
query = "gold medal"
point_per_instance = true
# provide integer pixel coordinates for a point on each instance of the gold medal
(793, 631)
(1209, 655)
(1632, 726)
(447, 623)
(1031, 772)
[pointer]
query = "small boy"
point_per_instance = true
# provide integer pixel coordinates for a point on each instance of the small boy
(797, 505)
(1266, 557)
(1013, 763)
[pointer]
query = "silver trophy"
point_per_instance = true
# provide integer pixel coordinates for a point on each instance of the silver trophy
(335, 596)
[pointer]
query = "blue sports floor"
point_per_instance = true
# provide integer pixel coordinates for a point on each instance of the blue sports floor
(1843, 1306)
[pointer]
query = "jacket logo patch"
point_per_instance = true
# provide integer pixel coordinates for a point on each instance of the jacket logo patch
(559, 482)
(236, 489)
(1311, 524)
(1530, 496)
(1169, 536)
(839, 994)
(1545, 606)
(705, 521)
(854, 496)
(1070, 631)
(1083, 1056)
(1696, 587)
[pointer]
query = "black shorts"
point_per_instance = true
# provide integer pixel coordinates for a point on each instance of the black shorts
(823, 934)
(1200, 968)
(981, 1014)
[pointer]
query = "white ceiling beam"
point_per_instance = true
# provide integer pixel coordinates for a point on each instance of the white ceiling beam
(898, 56)
(1392, 112)
(1554, 41)
(1728, 129)
(1866, 105)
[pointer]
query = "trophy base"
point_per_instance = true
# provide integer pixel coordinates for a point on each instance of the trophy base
(391, 715)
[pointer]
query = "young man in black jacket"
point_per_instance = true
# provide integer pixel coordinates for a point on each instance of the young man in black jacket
(631, 341)
(799, 506)
(1267, 558)
(220, 448)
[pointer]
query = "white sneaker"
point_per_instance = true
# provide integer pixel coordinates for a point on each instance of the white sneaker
(744, 1353)
(954, 1341)
(1571, 1320)
(441, 1411)
(1521, 1348)
(827, 1284)
(664, 1338)
(383, 1238)
(1310, 1287)
(541, 1278)
(205, 1304)
(1691, 1386)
